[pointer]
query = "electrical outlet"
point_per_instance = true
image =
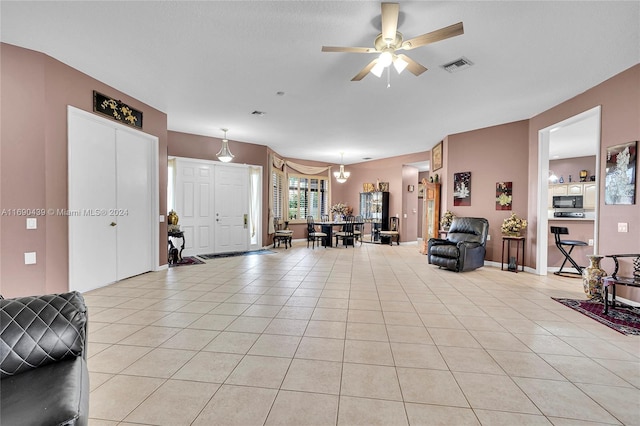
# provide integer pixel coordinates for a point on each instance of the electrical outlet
(591, 241)
(623, 227)
(32, 223)
(30, 258)
(488, 237)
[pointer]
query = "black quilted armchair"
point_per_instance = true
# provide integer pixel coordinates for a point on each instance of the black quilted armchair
(464, 247)
(43, 366)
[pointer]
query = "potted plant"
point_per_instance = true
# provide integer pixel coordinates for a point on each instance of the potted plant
(446, 220)
(513, 225)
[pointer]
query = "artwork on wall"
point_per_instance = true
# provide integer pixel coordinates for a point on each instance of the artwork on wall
(620, 177)
(436, 157)
(503, 195)
(384, 187)
(368, 187)
(462, 189)
(116, 110)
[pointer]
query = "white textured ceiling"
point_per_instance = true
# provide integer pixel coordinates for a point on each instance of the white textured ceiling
(210, 64)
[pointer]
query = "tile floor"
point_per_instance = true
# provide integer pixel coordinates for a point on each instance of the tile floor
(364, 336)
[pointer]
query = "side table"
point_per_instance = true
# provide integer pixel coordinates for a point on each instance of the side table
(519, 241)
(175, 234)
(612, 282)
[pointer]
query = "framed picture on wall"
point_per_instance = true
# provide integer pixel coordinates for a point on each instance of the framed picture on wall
(462, 189)
(504, 195)
(436, 157)
(620, 174)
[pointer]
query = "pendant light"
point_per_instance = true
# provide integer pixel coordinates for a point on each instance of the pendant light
(341, 176)
(224, 154)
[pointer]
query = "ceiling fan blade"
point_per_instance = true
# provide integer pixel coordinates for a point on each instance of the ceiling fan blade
(413, 67)
(362, 74)
(348, 49)
(390, 13)
(433, 36)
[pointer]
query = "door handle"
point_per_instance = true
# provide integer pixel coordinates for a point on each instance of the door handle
(113, 224)
(246, 220)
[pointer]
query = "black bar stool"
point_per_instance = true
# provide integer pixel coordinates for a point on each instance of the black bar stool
(561, 230)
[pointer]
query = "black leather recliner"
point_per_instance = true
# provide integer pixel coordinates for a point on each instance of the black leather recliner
(464, 248)
(44, 379)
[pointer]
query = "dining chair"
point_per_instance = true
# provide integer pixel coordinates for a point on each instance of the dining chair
(347, 234)
(281, 235)
(313, 235)
(358, 229)
(393, 232)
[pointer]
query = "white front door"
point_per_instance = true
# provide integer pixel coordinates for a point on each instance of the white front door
(232, 208)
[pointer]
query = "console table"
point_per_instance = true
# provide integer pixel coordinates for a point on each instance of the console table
(519, 241)
(175, 234)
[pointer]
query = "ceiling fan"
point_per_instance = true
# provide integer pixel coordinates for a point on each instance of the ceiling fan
(390, 41)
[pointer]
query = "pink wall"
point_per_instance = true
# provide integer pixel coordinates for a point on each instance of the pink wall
(36, 90)
(619, 98)
(494, 154)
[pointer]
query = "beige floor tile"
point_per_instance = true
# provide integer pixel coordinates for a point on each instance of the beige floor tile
(430, 387)
(583, 370)
(213, 322)
(329, 314)
(260, 371)
(547, 345)
(364, 331)
(231, 342)
(150, 336)
(266, 311)
(621, 402)
(275, 345)
(237, 405)
(177, 319)
(503, 418)
(331, 303)
(115, 399)
(335, 294)
(176, 402)
(289, 327)
(212, 367)
(145, 317)
(320, 349)
(230, 309)
(479, 323)
(523, 364)
(563, 399)
(431, 308)
(417, 356)
(367, 305)
(397, 306)
(313, 376)
(249, 324)
(370, 381)
(408, 334)
(96, 422)
(190, 339)
(197, 306)
(113, 333)
(370, 412)
(116, 358)
(299, 408)
(595, 349)
(402, 318)
(452, 337)
(307, 302)
(370, 317)
(295, 312)
(500, 341)
(161, 363)
(488, 391)
(470, 360)
(328, 329)
(97, 379)
(95, 348)
(441, 321)
(433, 415)
(367, 352)
(628, 370)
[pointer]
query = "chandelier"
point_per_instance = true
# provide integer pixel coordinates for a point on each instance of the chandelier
(224, 154)
(341, 176)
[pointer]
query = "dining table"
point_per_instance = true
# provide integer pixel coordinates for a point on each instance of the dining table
(327, 228)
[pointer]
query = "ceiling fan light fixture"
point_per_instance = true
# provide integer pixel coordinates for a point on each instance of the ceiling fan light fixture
(385, 59)
(225, 154)
(341, 176)
(377, 70)
(399, 64)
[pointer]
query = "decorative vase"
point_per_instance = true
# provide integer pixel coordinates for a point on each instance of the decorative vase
(172, 218)
(512, 264)
(592, 277)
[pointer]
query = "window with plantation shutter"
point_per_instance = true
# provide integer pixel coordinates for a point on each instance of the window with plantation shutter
(278, 182)
(308, 196)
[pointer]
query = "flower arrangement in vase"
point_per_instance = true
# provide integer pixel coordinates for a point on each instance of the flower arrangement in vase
(342, 210)
(446, 220)
(513, 225)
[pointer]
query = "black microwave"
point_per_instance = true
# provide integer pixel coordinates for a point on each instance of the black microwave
(567, 201)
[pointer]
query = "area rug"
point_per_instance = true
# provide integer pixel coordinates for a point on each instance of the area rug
(625, 320)
(189, 260)
(238, 253)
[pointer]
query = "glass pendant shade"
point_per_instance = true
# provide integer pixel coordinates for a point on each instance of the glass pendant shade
(341, 176)
(224, 154)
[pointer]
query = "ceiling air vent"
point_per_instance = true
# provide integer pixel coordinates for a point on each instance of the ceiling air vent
(258, 113)
(458, 65)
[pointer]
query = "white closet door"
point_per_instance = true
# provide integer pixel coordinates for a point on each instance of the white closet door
(231, 206)
(92, 191)
(132, 211)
